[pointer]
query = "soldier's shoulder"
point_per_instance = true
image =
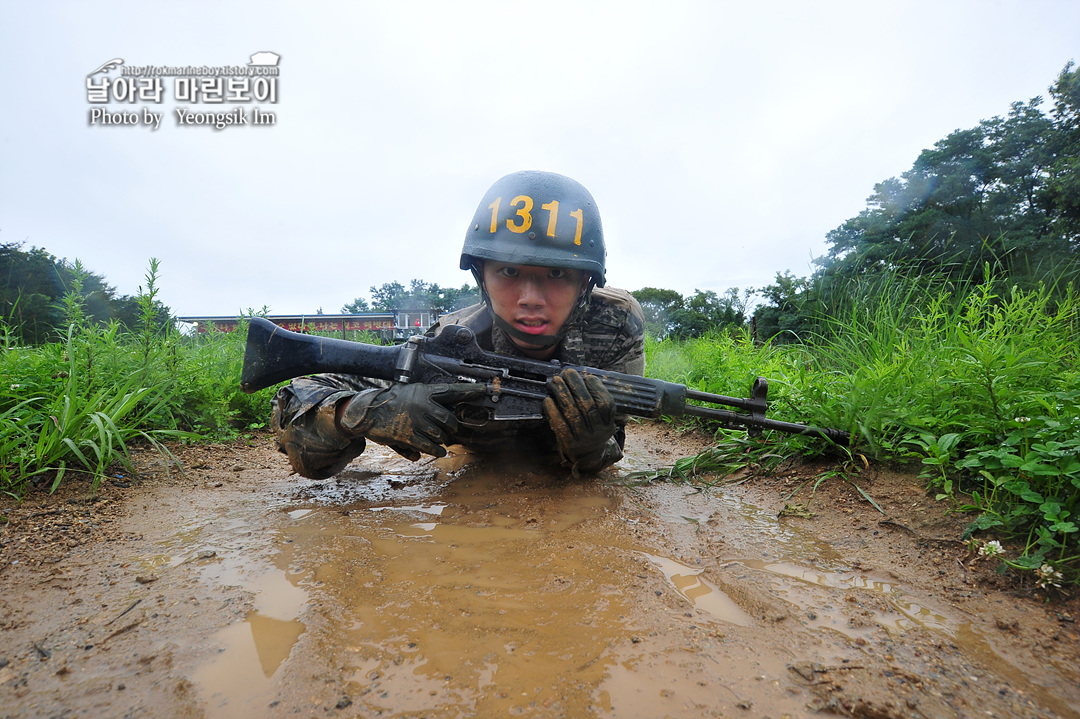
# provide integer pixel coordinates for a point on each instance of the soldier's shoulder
(617, 309)
(475, 317)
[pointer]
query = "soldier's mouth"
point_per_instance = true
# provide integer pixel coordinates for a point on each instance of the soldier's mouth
(532, 326)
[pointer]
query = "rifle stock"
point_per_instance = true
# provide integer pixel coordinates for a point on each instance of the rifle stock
(274, 354)
(516, 386)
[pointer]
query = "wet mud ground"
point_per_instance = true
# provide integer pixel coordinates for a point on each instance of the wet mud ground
(493, 587)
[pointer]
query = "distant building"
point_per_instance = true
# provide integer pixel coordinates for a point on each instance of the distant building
(398, 325)
(412, 322)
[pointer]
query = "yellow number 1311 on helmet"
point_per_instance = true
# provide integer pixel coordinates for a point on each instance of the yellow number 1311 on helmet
(537, 218)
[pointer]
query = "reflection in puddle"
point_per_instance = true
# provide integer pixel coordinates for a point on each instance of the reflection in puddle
(263, 640)
(759, 533)
(174, 551)
(910, 614)
(236, 682)
(789, 552)
(688, 582)
(274, 639)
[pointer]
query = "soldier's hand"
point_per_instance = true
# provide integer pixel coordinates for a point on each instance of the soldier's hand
(581, 413)
(410, 418)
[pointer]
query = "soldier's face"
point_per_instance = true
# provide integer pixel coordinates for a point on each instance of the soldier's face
(535, 300)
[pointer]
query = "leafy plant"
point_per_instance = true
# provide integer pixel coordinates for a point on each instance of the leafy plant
(976, 382)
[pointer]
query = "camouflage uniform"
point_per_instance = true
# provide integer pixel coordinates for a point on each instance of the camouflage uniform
(607, 333)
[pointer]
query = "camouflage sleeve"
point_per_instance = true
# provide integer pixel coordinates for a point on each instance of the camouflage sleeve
(626, 354)
(629, 355)
(305, 425)
(614, 337)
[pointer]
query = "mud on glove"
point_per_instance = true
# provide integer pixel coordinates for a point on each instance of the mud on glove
(409, 418)
(581, 413)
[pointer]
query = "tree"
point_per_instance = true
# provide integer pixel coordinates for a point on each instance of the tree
(707, 311)
(785, 314)
(659, 307)
(1005, 192)
(129, 313)
(1004, 195)
(389, 297)
(451, 299)
(34, 283)
(30, 285)
(1022, 158)
(932, 214)
(1063, 184)
(356, 306)
(420, 295)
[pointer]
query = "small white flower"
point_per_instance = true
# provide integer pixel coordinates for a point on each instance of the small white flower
(15, 386)
(991, 549)
(1048, 577)
(1021, 420)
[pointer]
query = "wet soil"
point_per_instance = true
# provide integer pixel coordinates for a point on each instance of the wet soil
(479, 586)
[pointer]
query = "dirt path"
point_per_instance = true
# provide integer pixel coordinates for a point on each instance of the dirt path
(488, 587)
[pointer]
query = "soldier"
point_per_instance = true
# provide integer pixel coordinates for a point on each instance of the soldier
(536, 249)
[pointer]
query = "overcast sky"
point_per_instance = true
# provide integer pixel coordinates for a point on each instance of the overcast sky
(721, 141)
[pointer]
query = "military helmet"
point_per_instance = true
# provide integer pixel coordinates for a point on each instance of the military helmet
(537, 218)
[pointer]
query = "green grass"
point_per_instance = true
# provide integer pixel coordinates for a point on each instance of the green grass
(975, 386)
(53, 420)
(77, 404)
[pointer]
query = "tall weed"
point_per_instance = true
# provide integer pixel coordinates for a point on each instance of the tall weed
(974, 381)
(65, 424)
(76, 404)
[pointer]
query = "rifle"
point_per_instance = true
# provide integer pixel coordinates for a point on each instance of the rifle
(516, 386)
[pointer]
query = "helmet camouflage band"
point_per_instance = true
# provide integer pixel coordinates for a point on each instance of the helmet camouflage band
(537, 218)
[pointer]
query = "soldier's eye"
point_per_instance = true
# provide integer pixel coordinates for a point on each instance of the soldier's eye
(509, 272)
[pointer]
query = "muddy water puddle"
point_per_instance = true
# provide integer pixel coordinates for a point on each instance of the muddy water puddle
(461, 587)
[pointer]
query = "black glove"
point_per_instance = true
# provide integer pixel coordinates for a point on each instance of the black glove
(410, 418)
(581, 413)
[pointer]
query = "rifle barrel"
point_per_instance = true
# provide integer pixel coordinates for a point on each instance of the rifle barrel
(748, 404)
(730, 418)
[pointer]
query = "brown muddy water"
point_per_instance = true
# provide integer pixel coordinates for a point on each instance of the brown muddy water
(485, 587)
